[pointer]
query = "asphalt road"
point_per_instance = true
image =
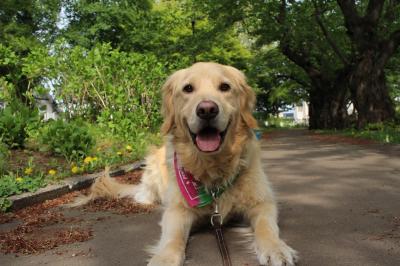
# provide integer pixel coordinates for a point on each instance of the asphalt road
(339, 205)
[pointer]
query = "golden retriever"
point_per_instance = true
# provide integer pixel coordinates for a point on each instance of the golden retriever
(208, 125)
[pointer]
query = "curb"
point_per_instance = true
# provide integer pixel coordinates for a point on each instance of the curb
(67, 185)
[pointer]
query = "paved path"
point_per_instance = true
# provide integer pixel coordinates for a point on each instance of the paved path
(339, 205)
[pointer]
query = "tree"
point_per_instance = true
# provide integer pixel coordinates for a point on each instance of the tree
(342, 47)
(24, 26)
(375, 37)
(171, 30)
(279, 83)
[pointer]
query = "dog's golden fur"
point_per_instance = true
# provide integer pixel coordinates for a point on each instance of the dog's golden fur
(239, 153)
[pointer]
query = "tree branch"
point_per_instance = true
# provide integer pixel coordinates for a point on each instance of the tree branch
(335, 48)
(374, 11)
(351, 18)
(295, 79)
(299, 57)
(388, 48)
(390, 14)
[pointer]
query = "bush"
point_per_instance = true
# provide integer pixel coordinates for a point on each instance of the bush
(14, 120)
(279, 122)
(69, 139)
(106, 85)
(382, 132)
(4, 153)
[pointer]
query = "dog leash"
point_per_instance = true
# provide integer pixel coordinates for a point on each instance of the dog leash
(216, 222)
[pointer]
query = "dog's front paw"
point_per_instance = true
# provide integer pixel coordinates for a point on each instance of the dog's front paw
(276, 254)
(165, 260)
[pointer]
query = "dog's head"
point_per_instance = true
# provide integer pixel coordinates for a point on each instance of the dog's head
(206, 103)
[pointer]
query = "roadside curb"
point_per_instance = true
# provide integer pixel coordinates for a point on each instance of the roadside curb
(67, 185)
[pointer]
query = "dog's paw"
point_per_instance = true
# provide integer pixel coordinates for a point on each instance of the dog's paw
(165, 260)
(276, 254)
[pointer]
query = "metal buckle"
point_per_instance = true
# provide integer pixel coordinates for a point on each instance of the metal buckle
(217, 217)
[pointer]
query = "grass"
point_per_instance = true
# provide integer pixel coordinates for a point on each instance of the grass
(383, 133)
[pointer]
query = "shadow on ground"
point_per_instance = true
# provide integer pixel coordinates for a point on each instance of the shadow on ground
(339, 205)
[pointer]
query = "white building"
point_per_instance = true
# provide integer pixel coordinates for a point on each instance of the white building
(297, 112)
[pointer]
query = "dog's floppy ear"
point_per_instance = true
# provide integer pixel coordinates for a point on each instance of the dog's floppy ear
(247, 98)
(167, 107)
(247, 104)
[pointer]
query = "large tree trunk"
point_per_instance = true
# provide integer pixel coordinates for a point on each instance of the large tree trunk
(370, 93)
(327, 108)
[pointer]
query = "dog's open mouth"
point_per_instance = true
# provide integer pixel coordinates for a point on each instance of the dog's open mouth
(208, 139)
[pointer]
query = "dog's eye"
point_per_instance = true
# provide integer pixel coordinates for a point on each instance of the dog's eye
(224, 87)
(188, 88)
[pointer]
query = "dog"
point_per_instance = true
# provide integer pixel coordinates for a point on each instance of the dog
(208, 128)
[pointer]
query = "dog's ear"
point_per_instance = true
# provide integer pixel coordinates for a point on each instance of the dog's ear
(247, 98)
(247, 104)
(167, 107)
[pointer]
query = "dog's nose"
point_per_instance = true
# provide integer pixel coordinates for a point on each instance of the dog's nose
(207, 110)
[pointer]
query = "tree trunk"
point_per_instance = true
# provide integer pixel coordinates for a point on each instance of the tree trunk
(327, 108)
(370, 93)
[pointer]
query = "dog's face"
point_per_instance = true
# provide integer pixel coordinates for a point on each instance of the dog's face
(205, 102)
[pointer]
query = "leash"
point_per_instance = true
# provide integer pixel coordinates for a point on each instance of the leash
(216, 222)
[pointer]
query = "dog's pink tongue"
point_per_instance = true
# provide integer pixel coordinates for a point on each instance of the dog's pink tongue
(208, 142)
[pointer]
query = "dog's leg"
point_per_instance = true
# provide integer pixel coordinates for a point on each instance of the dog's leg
(270, 249)
(175, 225)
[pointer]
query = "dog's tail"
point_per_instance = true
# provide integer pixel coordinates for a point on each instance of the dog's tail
(105, 187)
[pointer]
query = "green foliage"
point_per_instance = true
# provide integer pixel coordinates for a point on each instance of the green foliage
(119, 90)
(4, 154)
(386, 134)
(14, 121)
(69, 139)
(280, 122)
(380, 132)
(125, 24)
(332, 42)
(13, 185)
(279, 82)
(24, 26)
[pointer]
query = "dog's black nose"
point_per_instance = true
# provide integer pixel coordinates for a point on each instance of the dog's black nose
(207, 110)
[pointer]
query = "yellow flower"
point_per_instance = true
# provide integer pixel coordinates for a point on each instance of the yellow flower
(75, 169)
(94, 159)
(28, 171)
(19, 179)
(128, 147)
(119, 153)
(52, 172)
(88, 160)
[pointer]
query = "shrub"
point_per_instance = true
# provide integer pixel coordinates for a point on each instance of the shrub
(14, 120)
(4, 153)
(107, 85)
(69, 139)
(279, 122)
